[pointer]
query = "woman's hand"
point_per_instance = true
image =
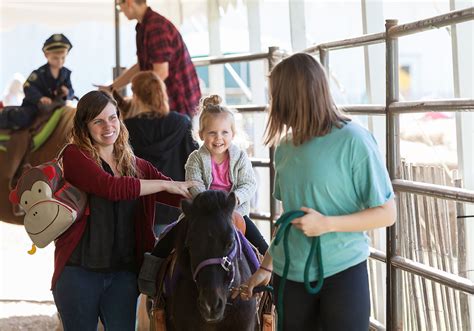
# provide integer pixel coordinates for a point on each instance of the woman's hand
(260, 277)
(104, 88)
(312, 224)
(181, 188)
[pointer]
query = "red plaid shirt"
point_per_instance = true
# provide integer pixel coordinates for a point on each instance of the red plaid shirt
(159, 41)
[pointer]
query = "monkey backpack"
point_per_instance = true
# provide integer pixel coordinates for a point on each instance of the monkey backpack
(51, 204)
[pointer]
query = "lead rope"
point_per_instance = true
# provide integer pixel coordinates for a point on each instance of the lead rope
(284, 225)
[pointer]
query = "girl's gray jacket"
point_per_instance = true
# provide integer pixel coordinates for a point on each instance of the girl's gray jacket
(199, 168)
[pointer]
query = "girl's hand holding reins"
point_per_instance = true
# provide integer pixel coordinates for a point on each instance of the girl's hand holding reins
(261, 277)
(312, 224)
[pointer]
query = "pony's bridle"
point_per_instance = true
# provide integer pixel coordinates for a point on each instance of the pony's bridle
(226, 262)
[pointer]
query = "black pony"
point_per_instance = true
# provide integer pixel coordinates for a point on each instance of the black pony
(209, 263)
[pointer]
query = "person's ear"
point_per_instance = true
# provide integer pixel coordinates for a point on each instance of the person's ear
(201, 135)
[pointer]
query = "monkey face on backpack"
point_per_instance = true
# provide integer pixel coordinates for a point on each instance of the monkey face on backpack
(51, 204)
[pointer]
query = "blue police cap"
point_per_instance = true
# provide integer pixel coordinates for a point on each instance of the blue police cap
(56, 42)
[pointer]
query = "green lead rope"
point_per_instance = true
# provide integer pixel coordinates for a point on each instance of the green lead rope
(284, 225)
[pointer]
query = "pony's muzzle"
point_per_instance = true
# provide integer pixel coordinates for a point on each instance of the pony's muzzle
(211, 307)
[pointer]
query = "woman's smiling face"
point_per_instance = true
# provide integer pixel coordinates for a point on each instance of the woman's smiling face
(105, 127)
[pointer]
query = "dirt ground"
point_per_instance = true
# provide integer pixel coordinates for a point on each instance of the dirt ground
(26, 303)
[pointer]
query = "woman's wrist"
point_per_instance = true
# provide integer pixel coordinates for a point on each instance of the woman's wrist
(266, 269)
(331, 224)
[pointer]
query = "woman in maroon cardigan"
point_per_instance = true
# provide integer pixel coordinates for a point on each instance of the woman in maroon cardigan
(97, 259)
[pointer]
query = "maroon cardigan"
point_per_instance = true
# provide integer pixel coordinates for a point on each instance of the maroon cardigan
(84, 173)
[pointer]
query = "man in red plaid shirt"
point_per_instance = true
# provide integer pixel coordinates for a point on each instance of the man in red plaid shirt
(161, 48)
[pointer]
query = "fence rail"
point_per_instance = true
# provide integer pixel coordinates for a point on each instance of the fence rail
(433, 190)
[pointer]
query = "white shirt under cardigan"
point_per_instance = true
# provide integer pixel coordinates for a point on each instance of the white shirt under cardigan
(199, 168)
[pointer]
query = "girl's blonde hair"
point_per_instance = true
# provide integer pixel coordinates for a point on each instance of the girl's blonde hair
(88, 108)
(211, 106)
(150, 95)
(300, 101)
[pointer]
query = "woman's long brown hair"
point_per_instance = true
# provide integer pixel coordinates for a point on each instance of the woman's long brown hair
(300, 101)
(88, 108)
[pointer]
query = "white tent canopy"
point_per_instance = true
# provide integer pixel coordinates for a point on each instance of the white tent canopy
(70, 12)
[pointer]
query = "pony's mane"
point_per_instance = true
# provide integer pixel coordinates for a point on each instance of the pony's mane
(210, 201)
(207, 204)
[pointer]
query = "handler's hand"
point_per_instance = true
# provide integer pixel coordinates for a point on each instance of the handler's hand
(260, 277)
(105, 88)
(312, 224)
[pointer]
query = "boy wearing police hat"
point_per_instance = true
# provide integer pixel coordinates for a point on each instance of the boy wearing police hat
(50, 83)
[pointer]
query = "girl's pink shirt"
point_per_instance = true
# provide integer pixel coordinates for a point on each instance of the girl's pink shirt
(220, 176)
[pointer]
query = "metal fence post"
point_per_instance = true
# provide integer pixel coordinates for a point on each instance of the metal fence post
(393, 165)
(274, 56)
(324, 59)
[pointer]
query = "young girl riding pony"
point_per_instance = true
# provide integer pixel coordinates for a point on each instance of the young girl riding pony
(220, 165)
(217, 165)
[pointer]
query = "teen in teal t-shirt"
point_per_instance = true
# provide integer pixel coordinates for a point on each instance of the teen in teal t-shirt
(329, 168)
(338, 174)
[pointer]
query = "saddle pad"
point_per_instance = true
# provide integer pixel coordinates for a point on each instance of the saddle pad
(3, 141)
(249, 253)
(47, 129)
(42, 135)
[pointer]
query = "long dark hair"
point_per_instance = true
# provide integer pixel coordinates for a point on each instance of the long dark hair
(88, 108)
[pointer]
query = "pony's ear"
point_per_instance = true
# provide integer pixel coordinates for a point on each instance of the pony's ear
(186, 207)
(231, 201)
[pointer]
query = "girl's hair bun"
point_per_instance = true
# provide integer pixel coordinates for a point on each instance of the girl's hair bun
(212, 100)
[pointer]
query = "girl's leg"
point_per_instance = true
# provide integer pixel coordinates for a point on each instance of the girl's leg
(345, 300)
(254, 236)
(118, 304)
(77, 297)
(300, 309)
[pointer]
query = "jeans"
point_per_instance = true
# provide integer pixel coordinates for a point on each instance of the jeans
(343, 304)
(83, 296)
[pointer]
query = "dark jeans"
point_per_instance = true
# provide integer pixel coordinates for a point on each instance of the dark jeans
(165, 245)
(343, 304)
(82, 296)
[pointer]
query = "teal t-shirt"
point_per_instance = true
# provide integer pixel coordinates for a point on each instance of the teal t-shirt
(338, 174)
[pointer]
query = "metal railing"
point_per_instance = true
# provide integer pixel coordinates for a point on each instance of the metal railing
(391, 110)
